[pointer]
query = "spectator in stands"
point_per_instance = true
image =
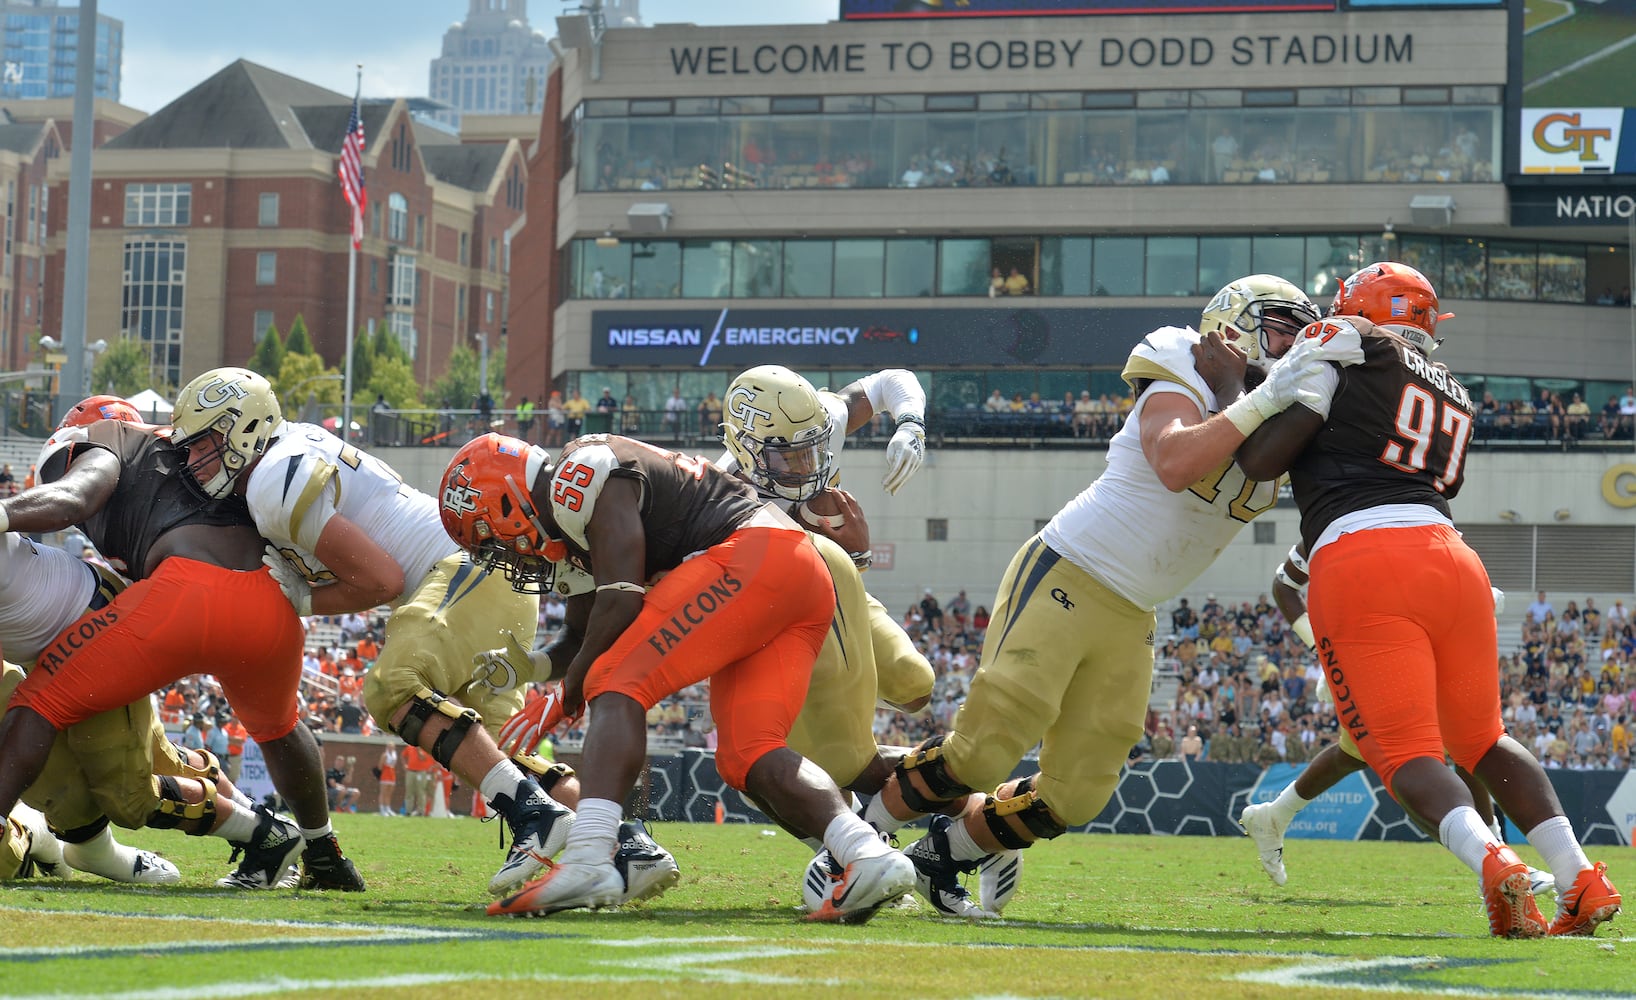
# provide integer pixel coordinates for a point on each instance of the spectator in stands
(350, 714)
(675, 406)
(1192, 745)
(343, 797)
(1541, 608)
(8, 482)
(710, 415)
(607, 405)
(525, 420)
(931, 613)
(236, 735)
(996, 284)
(556, 420)
(1579, 418)
(193, 737)
(996, 403)
(1085, 415)
(630, 417)
(574, 411)
(1016, 283)
(1627, 411)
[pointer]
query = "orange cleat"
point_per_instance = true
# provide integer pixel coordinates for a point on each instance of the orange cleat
(1507, 893)
(1591, 901)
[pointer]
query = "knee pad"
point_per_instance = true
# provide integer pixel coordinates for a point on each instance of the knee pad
(427, 703)
(544, 772)
(176, 813)
(1025, 805)
(209, 773)
(926, 761)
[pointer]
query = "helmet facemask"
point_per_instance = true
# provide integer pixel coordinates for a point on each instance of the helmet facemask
(778, 431)
(1250, 311)
(230, 462)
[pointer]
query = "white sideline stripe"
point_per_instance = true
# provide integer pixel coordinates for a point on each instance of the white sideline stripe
(1579, 64)
(280, 984)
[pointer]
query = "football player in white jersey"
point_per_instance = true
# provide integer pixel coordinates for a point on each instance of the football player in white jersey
(346, 534)
(118, 764)
(1068, 658)
(784, 437)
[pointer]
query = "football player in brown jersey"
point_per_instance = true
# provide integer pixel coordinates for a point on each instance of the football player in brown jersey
(1402, 608)
(200, 596)
(693, 577)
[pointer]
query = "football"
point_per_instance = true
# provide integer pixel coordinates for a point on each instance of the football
(824, 506)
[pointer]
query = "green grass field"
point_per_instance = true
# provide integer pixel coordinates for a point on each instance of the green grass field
(1590, 30)
(1097, 916)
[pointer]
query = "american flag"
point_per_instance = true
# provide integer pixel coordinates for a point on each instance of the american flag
(351, 171)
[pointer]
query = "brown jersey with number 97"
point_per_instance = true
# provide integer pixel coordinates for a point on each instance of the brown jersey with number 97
(1397, 433)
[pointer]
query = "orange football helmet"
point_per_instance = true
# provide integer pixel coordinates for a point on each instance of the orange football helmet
(93, 408)
(1395, 297)
(487, 508)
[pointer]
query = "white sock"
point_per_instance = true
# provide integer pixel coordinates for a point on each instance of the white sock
(317, 833)
(961, 845)
(44, 847)
(1555, 841)
(502, 779)
(851, 839)
(102, 855)
(1288, 803)
(238, 827)
(878, 814)
(596, 828)
(239, 798)
(1466, 836)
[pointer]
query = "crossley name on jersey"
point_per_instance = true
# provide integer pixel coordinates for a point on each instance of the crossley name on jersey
(1436, 375)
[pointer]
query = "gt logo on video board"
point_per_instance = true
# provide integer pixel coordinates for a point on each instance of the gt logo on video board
(1570, 140)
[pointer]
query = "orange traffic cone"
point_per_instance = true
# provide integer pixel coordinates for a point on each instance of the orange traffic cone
(721, 812)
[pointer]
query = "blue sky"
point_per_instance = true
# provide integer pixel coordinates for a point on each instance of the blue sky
(170, 45)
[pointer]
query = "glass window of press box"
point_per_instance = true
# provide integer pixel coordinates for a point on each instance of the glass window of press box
(1167, 266)
(1328, 135)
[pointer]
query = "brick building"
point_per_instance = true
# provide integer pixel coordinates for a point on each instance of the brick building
(221, 214)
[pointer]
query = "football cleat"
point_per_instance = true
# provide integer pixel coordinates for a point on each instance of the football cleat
(863, 887)
(937, 873)
(1592, 900)
(45, 853)
(1263, 827)
(1511, 909)
(998, 876)
(567, 886)
(536, 838)
(1541, 882)
(323, 866)
(647, 868)
(266, 856)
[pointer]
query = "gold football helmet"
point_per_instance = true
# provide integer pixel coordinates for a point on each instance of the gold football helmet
(1242, 309)
(777, 429)
(239, 405)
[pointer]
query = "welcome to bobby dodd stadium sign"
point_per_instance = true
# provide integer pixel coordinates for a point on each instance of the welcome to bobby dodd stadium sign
(860, 338)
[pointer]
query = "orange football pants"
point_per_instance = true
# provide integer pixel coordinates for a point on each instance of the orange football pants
(188, 617)
(750, 614)
(1404, 619)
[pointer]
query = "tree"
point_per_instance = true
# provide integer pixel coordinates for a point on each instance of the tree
(269, 353)
(457, 389)
(394, 379)
(363, 360)
(299, 341)
(299, 380)
(125, 369)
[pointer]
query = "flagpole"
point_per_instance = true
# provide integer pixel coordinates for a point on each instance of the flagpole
(352, 304)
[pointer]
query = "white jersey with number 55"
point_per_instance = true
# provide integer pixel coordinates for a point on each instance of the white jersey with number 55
(309, 475)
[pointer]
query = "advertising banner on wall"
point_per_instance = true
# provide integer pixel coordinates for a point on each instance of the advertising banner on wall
(873, 338)
(1578, 110)
(1580, 205)
(879, 10)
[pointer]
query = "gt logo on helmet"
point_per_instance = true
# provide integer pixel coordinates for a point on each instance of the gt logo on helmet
(219, 390)
(738, 404)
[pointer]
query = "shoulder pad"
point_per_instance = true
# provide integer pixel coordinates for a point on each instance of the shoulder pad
(1166, 355)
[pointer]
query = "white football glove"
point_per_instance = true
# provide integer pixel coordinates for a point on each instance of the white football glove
(1499, 601)
(1276, 393)
(1334, 339)
(504, 669)
(294, 585)
(904, 453)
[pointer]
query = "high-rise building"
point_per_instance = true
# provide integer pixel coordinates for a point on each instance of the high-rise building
(493, 63)
(41, 48)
